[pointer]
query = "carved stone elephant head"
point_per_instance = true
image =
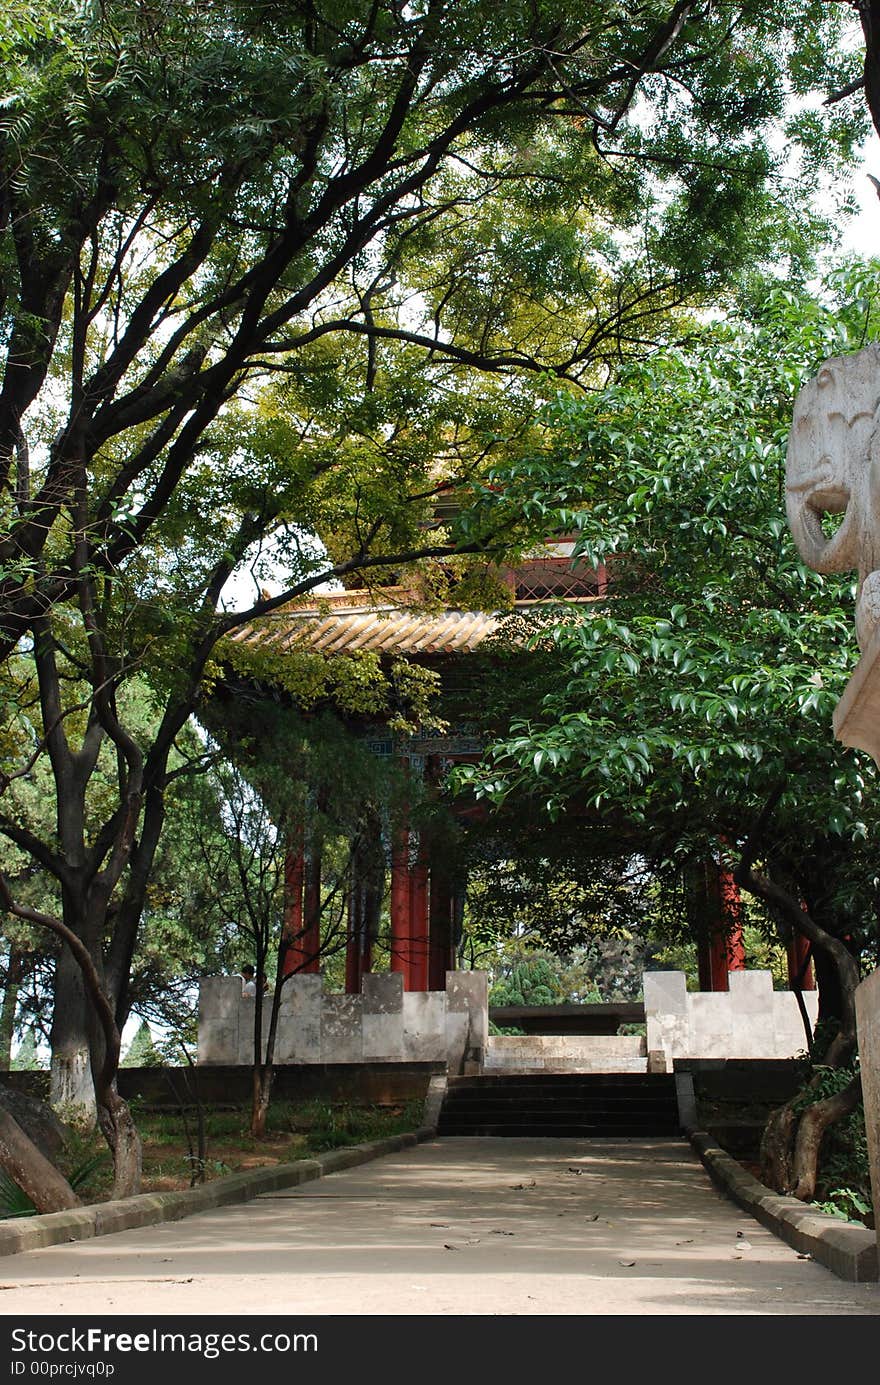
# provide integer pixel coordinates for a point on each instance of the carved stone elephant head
(833, 468)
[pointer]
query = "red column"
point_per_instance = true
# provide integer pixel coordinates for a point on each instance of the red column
(400, 904)
(302, 910)
(419, 934)
(720, 947)
(727, 951)
(797, 950)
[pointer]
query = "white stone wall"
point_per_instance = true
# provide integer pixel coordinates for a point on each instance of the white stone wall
(382, 1024)
(751, 1020)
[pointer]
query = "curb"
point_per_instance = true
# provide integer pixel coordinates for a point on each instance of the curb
(845, 1248)
(148, 1209)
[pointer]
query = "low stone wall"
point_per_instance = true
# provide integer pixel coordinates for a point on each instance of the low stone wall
(751, 1020)
(382, 1024)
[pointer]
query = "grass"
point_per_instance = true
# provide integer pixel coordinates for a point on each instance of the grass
(296, 1131)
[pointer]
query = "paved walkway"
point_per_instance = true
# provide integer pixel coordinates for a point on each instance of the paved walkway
(453, 1226)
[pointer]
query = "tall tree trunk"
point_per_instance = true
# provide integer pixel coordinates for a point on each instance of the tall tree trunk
(71, 1089)
(262, 1096)
(14, 974)
(121, 1133)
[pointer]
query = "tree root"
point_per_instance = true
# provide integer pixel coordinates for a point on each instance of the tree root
(814, 1121)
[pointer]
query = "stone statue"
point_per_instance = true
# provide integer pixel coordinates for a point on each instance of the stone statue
(833, 468)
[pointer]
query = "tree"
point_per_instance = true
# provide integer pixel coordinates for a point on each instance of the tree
(304, 784)
(194, 197)
(25, 1059)
(691, 712)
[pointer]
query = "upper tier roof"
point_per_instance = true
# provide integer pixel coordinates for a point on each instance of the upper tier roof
(343, 622)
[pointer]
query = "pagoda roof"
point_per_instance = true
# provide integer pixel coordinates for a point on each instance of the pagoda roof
(388, 622)
(352, 621)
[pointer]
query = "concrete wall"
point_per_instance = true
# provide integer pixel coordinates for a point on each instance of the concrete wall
(868, 1023)
(382, 1024)
(751, 1020)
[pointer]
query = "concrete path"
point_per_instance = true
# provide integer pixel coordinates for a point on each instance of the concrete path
(453, 1226)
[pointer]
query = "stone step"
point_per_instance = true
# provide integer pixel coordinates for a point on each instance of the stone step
(561, 1105)
(502, 1106)
(573, 1065)
(574, 1043)
(576, 1130)
(588, 1081)
(529, 1116)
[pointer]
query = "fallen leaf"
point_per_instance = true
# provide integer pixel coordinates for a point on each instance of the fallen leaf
(449, 1247)
(688, 1242)
(593, 1216)
(627, 1264)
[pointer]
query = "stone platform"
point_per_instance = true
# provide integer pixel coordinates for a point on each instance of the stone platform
(520, 1053)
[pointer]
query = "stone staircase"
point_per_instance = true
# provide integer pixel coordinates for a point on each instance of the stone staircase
(561, 1105)
(565, 1053)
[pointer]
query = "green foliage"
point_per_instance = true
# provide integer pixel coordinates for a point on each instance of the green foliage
(708, 679)
(332, 1125)
(79, 1174)
(361, 683)
(26, 1058)
(848, 1203)
(532, 980)
(142, 1052)
(14, 1202)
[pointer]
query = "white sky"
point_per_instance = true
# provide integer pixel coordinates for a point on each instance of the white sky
(862, 235)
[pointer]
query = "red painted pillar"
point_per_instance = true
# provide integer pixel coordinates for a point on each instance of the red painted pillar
(798, 950)
(419, 933)
(727, 951)
(400, 903)
(302, 910)
(720, 947)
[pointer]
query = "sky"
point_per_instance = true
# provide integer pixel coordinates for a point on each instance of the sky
(862, 235)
